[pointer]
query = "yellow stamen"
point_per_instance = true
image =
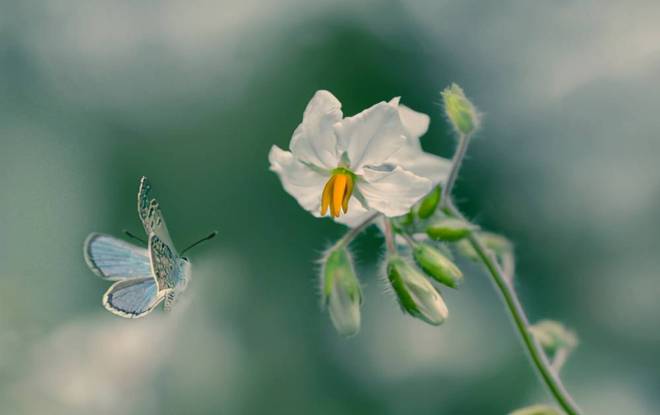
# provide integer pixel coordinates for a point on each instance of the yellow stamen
(347, 194)
(327, 193)
(337, 193)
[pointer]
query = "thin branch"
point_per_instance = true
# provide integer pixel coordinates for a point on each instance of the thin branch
(559, 359)
(503, 283)
(389, 236)
(513, 305)
(350, 235)
(457, 160)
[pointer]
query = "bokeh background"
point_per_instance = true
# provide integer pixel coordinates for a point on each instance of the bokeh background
(193, 94)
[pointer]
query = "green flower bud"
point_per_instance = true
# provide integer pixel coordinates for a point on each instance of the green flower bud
(460, 111)
(496, 243)
(449, 229)
(438, 266)
(416, 295)
(429, 203)
(341, 291)
(552, 335)
(537, 410)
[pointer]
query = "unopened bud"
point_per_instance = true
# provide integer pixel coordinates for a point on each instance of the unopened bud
(460, 111)
(341, 291)
(552, 335)
(449, 229)
(429, 203)
(437, 265)
(537, 410)
(416, 295)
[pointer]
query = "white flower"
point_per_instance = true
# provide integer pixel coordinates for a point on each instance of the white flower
(411, 156)
(374, 156)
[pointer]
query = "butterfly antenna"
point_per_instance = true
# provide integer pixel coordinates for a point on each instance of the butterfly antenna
(133, 236)
(211, 236)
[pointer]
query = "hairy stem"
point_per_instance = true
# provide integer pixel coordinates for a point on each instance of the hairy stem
(389, 236)
(559, 359)
(509, 266)
(408, 239)
(457, 160)
(505, 287)
(534, 349)
(350, 235)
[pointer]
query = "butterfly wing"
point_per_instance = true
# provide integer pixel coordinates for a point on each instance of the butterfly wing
(133, 298)
(181, 285)
(114, 259)
(165, 263)
(150, 213)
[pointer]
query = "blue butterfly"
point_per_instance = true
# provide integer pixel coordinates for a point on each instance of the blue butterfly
(144, 277)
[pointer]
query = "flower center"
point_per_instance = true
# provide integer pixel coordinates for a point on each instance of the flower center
(337, 192)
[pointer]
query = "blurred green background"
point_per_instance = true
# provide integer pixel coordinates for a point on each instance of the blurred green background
(193, 94)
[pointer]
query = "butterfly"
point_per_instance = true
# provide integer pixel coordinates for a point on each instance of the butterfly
(144, 277)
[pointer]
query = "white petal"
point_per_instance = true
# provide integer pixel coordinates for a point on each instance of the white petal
(371, 136)
(300, 181)
(314, 140)
(415, 123)
(412, 158)
(392, 191)
(356, 214)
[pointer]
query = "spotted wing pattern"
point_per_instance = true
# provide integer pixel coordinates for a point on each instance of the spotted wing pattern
(150, 213)
(144, 277)
(164, 263)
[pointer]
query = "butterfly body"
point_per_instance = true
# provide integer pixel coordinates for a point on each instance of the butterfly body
(144, 277)
(171, 271)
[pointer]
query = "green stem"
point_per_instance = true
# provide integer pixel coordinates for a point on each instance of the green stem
(408, 239)
(534, 349)
(350, 235)
(457, 160)
(389, 236)
(559, 359)
(508, 294)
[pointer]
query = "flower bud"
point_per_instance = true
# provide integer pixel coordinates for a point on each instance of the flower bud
(449, 229)
(429, 203)
(341, 291)
(438, 266)
(460, 111)
(536, 410)
(415, 293)
(552, 335)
